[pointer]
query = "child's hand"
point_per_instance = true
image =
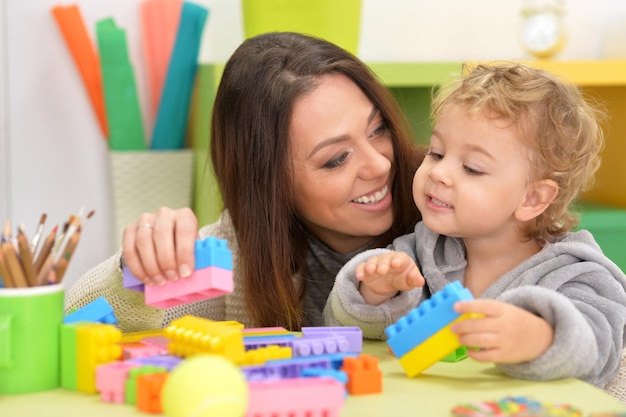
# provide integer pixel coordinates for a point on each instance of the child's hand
(506, 333)
(384, 275)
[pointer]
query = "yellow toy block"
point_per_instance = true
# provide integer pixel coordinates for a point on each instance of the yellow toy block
(133, 337)
(433, 349)
(261, 355)
(97, 344)
(192, 335)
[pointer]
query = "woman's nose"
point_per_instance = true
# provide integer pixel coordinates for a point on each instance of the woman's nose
(375, 164)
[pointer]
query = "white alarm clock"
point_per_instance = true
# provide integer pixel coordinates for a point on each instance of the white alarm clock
(542, 32)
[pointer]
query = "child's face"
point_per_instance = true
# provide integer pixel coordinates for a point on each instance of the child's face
(474, 178)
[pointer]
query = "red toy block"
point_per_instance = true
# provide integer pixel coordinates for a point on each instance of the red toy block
(295, 397)
(149, 388)
(141, 350)
(364, 376)
(204, 283)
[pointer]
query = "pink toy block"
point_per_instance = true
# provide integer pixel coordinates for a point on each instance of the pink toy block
(111, 379)
(141, 350)
(295, 397)
(204, 283)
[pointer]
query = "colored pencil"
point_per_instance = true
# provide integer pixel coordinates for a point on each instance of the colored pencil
(14, 266)
(46, 249)
(26, 257)
(4, 272)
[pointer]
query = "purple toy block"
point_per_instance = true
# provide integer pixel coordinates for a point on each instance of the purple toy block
(319, 345)
(167, 362)
(353, 334)
(284, 368)
(130, 282)
(202, 284)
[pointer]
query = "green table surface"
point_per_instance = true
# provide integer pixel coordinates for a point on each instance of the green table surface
(431, 394)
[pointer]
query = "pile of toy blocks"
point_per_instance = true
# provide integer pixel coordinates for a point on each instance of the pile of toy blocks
(288, 374)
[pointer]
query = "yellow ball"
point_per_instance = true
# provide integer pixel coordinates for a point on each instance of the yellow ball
(205, 386)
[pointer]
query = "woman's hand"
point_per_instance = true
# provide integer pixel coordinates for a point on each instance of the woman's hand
(383, 276)
(159, 246)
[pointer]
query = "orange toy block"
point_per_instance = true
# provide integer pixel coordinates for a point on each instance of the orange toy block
(149, 388)
(364, 376)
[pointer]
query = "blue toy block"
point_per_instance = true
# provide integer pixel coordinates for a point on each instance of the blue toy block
(213, 252)
(98, 311)
(426, 319)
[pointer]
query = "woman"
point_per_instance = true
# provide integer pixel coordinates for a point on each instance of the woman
(314, 163)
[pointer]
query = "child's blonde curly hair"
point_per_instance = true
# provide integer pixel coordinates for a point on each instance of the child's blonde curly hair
(558, 125)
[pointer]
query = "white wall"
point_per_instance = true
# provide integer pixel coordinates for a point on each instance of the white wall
(54, 160)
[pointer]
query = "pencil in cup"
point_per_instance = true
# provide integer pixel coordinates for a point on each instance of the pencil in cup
(26, 257)
(46, 249)
(14, 266)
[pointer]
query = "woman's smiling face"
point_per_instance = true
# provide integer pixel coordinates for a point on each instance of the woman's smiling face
(342, 162)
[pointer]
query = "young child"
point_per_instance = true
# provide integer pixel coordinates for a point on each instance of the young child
(512, 148)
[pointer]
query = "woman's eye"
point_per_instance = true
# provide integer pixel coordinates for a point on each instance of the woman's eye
(436, 156)
(336, 162)
(380, 129)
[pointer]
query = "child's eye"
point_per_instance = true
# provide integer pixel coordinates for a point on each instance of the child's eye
(336, 162)
(436, 156)
(471, 171)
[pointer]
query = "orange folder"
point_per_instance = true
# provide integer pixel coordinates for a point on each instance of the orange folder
(74, 32)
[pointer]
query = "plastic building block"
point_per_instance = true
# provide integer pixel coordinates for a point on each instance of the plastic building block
(364, 376)
(264, 354)
(98, 311)
(458, 355)
(191, 335)
(319, 345)
(285, 368)
(213, 252)
(431, 350)
(167, 362)
(353, 334)
(141, 350)
(340, 376)
(130, 391)
(139, 336)
(130, 282)
(265, 331)
(212, 277)
(426, 319)
(96, 344)
(111, 380)
(295, 397)
(149, 388)
(256, 342)
(204, 283)
(69, 355)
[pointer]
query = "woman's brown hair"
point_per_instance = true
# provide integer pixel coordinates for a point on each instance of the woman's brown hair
(252, 161)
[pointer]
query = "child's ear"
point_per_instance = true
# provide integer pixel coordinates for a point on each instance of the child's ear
(539, 196)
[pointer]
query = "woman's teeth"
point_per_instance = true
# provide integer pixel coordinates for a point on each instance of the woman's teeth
(379, 195)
